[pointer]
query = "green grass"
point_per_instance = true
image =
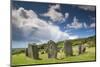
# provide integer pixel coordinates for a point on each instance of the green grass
(21, 59)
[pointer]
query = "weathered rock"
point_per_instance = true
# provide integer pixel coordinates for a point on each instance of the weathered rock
(82, 49)
(32, 51)
(26, 51)
(52, 49)
(68, 48)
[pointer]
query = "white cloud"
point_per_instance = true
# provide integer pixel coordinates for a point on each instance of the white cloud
(75, 24)
(57, 6)
(73, 37)
(66, 15)
(92, 25)
(89, 8)
(85, 25)
(33, 28)
(53, 13)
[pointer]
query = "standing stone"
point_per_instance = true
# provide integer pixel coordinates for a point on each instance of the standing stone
(52, 49)
(33, 51)
(26, 51)
(82, 49)
(68, 48)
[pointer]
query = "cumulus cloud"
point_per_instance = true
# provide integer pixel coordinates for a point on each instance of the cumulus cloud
(57, 6)
(26, 25)
(53, 14)
(92, 25)
(66, 15)
(75, 24)
(89, 8)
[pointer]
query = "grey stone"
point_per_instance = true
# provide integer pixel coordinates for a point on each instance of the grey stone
(52, 49)
(32, 51)
(82, 49)
(68, 48)
(26, 51)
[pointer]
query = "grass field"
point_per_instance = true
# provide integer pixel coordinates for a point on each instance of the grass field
(21, 59)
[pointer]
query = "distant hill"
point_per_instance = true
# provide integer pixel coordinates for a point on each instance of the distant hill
(90, 41)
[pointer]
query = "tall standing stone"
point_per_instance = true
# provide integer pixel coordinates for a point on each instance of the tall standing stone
(33, 51)
(68, 48)
(26, 51)
(52, 49)
(82, 49)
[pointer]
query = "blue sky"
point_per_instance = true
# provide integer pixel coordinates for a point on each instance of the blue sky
(40, 22)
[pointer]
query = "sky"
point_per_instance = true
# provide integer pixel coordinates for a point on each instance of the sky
(34, 22)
